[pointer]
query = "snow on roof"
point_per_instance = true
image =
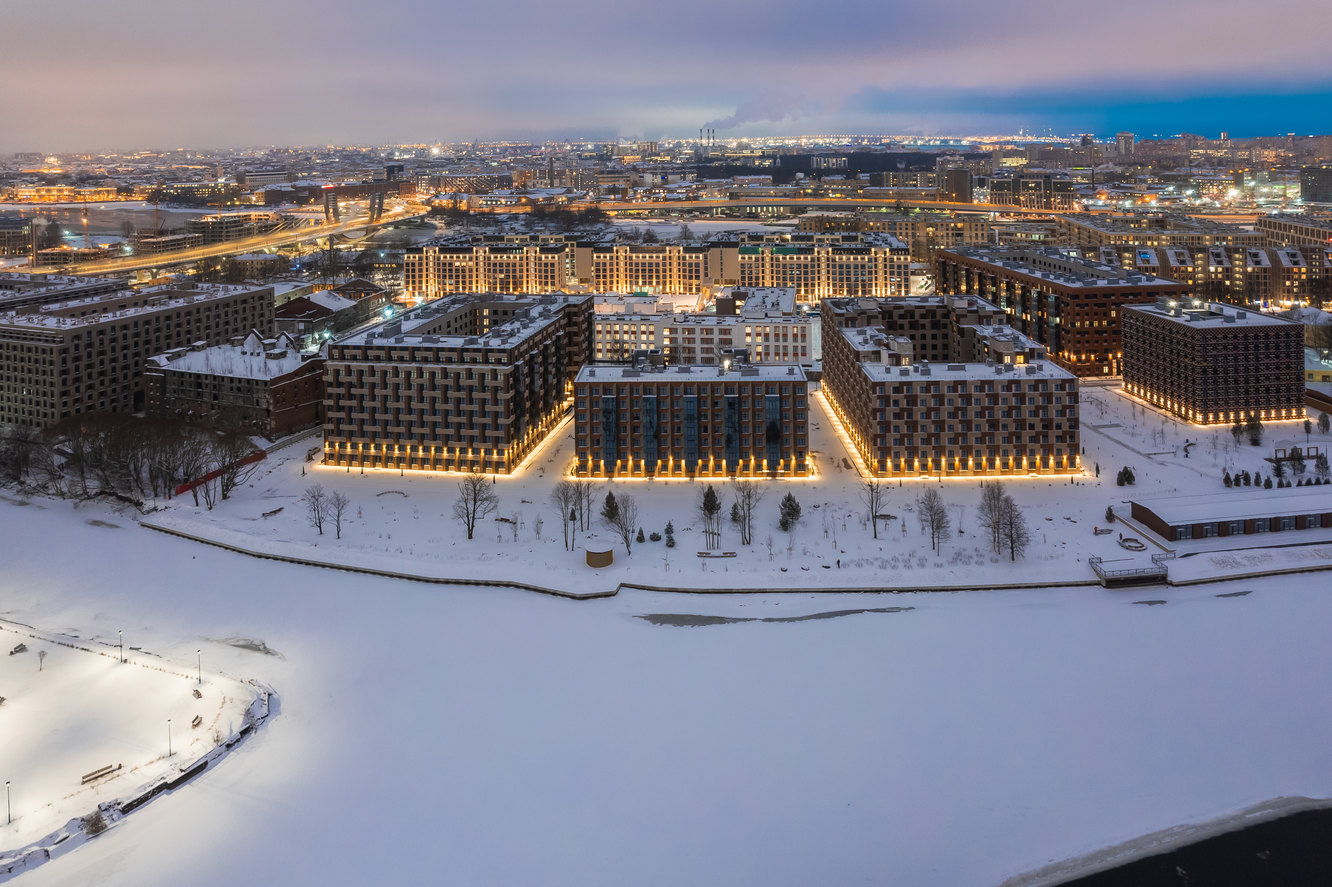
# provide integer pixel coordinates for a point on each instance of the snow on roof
(740, 372)
(255, 358)
(1239, 505)
(331, 300)
(1208, 314)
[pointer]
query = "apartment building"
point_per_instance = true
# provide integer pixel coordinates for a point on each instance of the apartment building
(1088, 230)
(458, 384)
(1035, 190)
(691, 421)
(817, 266)
(221, 227)
(762, 323)
(1003, 408)
(1284, 229)
(922, 232)
(87, 355)
(1210, 363)
(15, 236)
(262, 386)
(1069, 304)
(25, 290)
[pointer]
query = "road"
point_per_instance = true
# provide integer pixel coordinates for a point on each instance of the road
(267, 240)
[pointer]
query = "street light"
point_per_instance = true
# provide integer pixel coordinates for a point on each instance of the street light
(168, 737)
(9, 810)
(121, 633)
(199, 653)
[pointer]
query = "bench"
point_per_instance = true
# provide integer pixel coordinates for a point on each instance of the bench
(100, 772)
(277, 510)
(198, 719)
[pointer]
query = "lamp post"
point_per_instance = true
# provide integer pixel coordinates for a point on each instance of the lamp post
(199, 653)
(168, 737)
(9, 809)
(121, 633)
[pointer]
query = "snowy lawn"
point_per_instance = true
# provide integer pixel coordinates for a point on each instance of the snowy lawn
(72, 708)
(437, 734)
(404, 523)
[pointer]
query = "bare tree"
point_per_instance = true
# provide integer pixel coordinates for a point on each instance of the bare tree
(337, 509)
(583, 490)
(748, 495)
(624, 520)
(316, 506)
(564, 499)
(1015, 532)
(233, 449)
(476, 499)
(933, 516)
(990, 513)
(874, 494)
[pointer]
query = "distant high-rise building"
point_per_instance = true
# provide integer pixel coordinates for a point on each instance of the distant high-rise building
(1316, 184)
(956, 186)
(1124, 143)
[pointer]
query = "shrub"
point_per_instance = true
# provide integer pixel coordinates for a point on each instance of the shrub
(94, 823)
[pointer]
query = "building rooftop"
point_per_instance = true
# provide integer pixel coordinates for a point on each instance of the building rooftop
(1207, 314)
(1239, 504)
(956, 372)
(1060, 265)
(253, 357)
(739, 372)
(75, 313)
(421, 325)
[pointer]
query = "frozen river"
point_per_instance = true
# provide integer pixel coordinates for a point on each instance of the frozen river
(485, 736)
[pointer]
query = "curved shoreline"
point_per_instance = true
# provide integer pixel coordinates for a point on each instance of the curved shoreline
(264, 704)
(1166, 840)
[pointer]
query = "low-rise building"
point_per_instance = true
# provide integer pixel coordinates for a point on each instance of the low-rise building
(1235, 513)
(1211, 364)
(251, 384)
(691, 421)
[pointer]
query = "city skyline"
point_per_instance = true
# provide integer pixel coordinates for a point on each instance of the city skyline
(143, 77)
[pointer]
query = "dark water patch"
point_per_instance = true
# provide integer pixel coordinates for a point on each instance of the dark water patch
(1294, 851)
(688, 620)
(1236, 593)
(254, 646)
(1150, 603)
(94, 522)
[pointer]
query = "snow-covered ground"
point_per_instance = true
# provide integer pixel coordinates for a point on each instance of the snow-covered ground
(491, 736)
(72, 708)
(405, 523)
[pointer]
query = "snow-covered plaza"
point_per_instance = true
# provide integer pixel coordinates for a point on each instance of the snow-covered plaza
(486, 735)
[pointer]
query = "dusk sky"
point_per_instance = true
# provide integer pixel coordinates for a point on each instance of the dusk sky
(155, 74)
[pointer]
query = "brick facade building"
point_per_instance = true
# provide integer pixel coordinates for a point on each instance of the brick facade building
(692, 421)
(1070, 305)
(977, 398)
(467, 383)
(261, 386)
(1214, 364)
(87, 355)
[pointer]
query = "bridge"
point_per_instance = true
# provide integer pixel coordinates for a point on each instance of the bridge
(281, 236)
